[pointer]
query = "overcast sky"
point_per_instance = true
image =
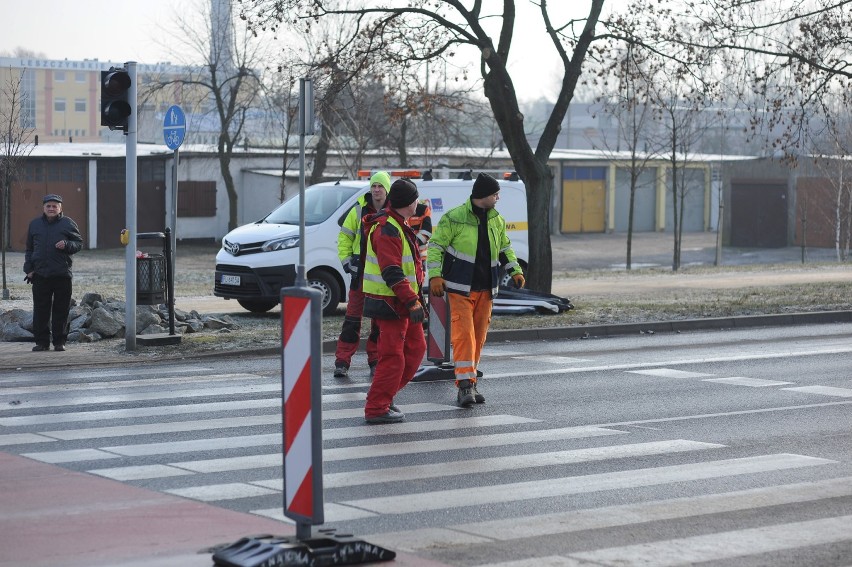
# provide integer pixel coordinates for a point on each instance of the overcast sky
(143, 31)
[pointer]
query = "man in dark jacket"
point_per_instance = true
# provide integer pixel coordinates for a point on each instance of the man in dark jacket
(51, 240)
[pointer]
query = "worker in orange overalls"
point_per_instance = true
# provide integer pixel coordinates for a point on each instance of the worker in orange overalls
(465, 254)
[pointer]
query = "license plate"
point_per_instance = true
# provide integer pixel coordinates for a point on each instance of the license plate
(230, 280)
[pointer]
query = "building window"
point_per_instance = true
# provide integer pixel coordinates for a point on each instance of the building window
(80, 76)
(59, 105)
(571, 173)
(28, 100)
(59, 76)
(80, 105)
(197, 199)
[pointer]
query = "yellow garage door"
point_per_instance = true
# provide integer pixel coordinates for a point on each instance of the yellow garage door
(583, 206)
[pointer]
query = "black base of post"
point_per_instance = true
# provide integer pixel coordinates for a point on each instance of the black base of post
(431, 373)
(158, 339)
(327, 549)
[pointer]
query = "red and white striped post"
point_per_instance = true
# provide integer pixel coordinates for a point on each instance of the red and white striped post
(301, 384)
(438, 343)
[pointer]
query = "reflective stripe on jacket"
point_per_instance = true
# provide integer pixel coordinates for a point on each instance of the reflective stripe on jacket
(452, 249)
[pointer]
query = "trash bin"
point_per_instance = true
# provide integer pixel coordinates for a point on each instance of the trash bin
(151, 279)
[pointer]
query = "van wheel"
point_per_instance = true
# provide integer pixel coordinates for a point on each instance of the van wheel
(257, 305)
(330, 290)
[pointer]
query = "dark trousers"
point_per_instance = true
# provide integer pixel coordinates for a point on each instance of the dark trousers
(51, 303)
(350, 334)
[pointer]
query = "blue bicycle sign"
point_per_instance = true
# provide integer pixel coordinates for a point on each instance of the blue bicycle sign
(174, 127)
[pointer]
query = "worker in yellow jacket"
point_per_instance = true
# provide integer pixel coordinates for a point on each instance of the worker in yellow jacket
(349, 251)
(465, 254)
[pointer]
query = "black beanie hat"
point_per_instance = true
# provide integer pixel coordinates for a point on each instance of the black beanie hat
(484, 186)
(402, 193)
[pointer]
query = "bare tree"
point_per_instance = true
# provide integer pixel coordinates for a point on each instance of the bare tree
(630, 106)
(423, 30)
(800, 50)
(15, 147)
(282, 100)
(225, 88)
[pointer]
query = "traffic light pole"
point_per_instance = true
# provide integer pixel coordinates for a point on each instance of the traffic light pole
(130, 216)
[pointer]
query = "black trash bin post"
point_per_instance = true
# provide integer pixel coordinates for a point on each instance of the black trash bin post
(152, 275)
(170, 280)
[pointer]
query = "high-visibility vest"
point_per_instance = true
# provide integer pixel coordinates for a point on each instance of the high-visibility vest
(374, 283)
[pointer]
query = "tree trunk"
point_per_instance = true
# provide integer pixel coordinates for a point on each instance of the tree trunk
(321, 149)
(534, 172)
(225, 170)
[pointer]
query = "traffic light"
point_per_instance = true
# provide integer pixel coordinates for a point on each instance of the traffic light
(115, 108)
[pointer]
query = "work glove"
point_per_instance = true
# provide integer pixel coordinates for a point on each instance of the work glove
(519, 280)
(416, 313)
(351, 268)
(437, 286)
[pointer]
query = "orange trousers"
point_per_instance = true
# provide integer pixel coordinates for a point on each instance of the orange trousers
(470, 317)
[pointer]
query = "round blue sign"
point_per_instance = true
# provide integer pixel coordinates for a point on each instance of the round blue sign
(174, 127)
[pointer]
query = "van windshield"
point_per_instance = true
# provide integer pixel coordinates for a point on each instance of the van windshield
(321, 201)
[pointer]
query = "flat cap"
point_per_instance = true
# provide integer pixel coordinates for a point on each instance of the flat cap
(52, 197)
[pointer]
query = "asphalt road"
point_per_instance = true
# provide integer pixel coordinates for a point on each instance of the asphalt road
(712, 448)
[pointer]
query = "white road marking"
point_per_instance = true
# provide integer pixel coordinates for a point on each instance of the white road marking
(725, 545)
(615, 516)
(669, 373)
(216, 492)
(479, 495)
(518, 462)
(744, 381)
(823, 391)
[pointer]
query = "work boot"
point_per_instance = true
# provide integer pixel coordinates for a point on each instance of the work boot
(39, 348)
(390, 417)
(394, 408)
(465, 397)
(479, 398)
(341, 370)
(60, 347)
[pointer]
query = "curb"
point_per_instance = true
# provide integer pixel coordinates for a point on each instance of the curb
(544, 333)
(677, 326)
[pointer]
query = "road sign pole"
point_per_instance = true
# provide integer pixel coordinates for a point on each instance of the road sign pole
(174, 132)
(173, 239)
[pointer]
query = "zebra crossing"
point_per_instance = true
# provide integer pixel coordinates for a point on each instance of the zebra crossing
(216, 439)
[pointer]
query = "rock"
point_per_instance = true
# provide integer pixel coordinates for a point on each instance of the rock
(14, 332)
(90, 299)
(80, 321)
(153, 330)
(215, 323)
(105, 323)
(89, 336)
(194, 326)
(146, 318)
(13, 316)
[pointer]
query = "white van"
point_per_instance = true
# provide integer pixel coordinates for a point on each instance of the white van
(258, 259)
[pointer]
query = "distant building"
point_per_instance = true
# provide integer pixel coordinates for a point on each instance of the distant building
(62, 97)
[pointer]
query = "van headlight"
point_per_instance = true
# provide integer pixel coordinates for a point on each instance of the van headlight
(280, 244)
